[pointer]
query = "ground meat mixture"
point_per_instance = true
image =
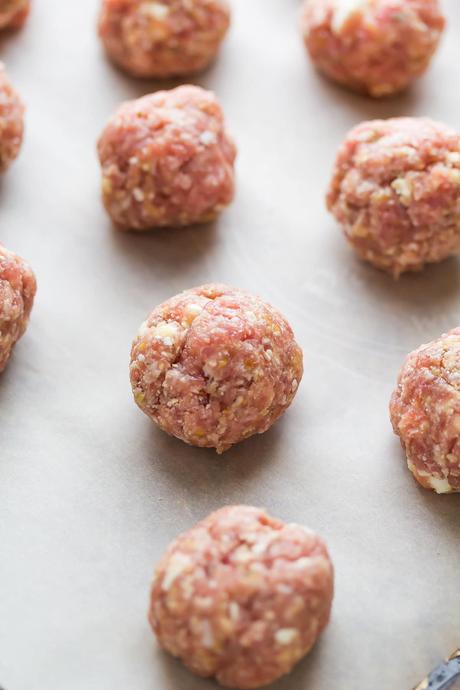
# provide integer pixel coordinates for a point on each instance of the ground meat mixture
(215, 365)
(396, 192)
(242, 597)
(425, 413)
(375, 46)
(11, 122)
(17, 292)
(13, 13)
(163, 38)
(167, 160)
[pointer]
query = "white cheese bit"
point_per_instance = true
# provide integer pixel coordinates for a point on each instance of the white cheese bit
(207, 636)
(453, 157)
(263, 542)
(441, 486)
(234, 610)
(138, 194)
(191, 312)
(343, 11)
(403, 189)
(177, 565)
(250, 537)
(259, 548)
(155, 10)
(208, 138)
(304, 562)
(166, 331)
(242, 554)
(285, 635)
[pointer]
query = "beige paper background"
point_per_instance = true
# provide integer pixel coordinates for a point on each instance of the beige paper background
(91, 493)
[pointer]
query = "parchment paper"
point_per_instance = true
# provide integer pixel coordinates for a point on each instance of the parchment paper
(91, 492)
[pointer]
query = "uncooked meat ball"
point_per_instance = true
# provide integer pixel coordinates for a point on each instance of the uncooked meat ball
(215, 365)
(375, 46)
(11, 122)
(395, 191)
(163, 38)
(167, 160)
(17, 292)
(242, 597)
(13, 13)
(425, 413)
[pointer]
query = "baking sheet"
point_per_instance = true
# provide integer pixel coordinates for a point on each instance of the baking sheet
(91, 492)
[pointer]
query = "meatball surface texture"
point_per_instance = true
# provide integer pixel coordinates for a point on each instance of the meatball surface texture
(395, 191)
(11, 122)
(374, 46)
(163, 38)
(215, 365)
(17, 292)
(167, 160)
(242, 597)
(425, 412)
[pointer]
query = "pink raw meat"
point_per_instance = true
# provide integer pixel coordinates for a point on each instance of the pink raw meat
(11, 122)
(167, 160)
(395, 191)
(425, 412)
(375, 46)
(17, 292)
(215, 365)
(163, 38)
(242, 597)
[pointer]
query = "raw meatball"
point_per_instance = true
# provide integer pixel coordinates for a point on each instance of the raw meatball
(425, 413)
(215, 365)
(375, 46)
(242, 596)
(13, 13)
(395, 191)
(164, 38)
(17, 292)
(11, 122)
(167, 160)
